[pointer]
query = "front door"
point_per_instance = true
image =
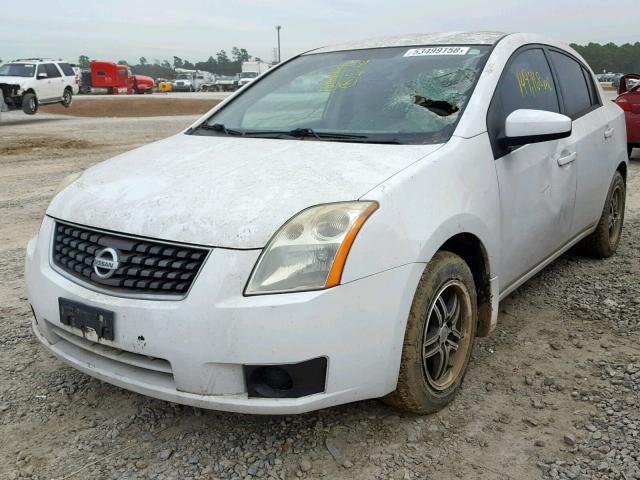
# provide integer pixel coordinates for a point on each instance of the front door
(537, 181)
(44, 89)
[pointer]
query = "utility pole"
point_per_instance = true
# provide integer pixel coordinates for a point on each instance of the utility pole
(278, 27)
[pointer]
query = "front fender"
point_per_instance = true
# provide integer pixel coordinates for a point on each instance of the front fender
(453, 190)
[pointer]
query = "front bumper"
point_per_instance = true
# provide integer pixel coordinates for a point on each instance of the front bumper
(193, 351)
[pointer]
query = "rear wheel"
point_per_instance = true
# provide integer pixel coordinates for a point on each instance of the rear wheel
(67, 98)
(603, 242)
(29, 103)
(439, 336)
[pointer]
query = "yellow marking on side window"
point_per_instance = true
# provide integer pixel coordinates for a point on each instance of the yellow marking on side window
(345, 75)
(532, 83)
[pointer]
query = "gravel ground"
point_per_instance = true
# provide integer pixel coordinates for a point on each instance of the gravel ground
(553, 393)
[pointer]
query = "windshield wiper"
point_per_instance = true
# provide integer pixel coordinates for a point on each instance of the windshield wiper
(219, 127)
(304, 132)
(295, 133)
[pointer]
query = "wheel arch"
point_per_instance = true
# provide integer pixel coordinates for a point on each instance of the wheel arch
(622, 168)
(472, 250)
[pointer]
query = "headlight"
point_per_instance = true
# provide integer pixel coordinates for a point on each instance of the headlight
(67, 181)
(310, 250)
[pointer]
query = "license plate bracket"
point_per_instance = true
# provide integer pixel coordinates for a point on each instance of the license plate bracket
(82, 316)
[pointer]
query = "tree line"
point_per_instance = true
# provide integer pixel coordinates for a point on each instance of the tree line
(611, 57)
(608, 57)
(221, 64)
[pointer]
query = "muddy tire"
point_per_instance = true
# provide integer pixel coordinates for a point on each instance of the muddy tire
(67, 98)
(439, 336)
(603, 242)
(30, 103)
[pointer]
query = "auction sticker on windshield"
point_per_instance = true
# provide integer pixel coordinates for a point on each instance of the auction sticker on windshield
(421, 52)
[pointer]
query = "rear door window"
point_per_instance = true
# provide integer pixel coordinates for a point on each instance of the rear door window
(573, 84)
(526, 83)
(52, 70)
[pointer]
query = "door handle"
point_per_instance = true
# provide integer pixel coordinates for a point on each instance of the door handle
(608, 133)
(563, 160)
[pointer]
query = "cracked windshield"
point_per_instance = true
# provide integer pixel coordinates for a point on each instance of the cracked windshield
(394, 95)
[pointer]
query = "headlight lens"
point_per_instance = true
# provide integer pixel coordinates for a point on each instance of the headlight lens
(67, 181)
(310, 250)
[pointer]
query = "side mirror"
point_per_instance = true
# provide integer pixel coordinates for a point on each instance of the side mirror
(534, 126)
(41, 76)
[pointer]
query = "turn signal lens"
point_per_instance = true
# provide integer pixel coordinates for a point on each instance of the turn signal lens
(309, 252)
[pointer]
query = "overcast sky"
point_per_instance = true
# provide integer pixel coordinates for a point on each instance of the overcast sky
(193, 30)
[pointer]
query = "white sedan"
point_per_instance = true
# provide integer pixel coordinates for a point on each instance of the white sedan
(340, 229)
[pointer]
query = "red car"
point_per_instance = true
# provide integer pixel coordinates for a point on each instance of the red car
(629, 100)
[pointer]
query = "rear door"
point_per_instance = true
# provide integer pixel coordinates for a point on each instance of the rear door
(537, 181)
(592, 133)
(56, 81)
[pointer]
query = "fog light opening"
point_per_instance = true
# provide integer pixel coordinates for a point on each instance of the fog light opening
(271, 381)
(277, 378)
(290, 380)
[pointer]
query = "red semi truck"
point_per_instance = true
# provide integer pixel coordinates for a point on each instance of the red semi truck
(118, 78)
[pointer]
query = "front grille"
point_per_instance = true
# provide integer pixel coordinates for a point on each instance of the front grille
(144, 266)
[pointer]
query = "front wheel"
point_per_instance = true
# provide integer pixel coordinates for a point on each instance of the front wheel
(603, 242)
(29, 103)
(439, 336)
(67, 98)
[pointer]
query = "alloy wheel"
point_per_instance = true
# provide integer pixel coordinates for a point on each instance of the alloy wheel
(447, 335)
(615, 215)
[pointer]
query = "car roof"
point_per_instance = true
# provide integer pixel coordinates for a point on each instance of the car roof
(418, 39)
(36, 60)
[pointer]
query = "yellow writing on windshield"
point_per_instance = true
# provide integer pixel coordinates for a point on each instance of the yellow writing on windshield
(532, 83)
(345, 75)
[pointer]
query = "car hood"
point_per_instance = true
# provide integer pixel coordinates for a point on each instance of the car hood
(222, 191)
(14, 80)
